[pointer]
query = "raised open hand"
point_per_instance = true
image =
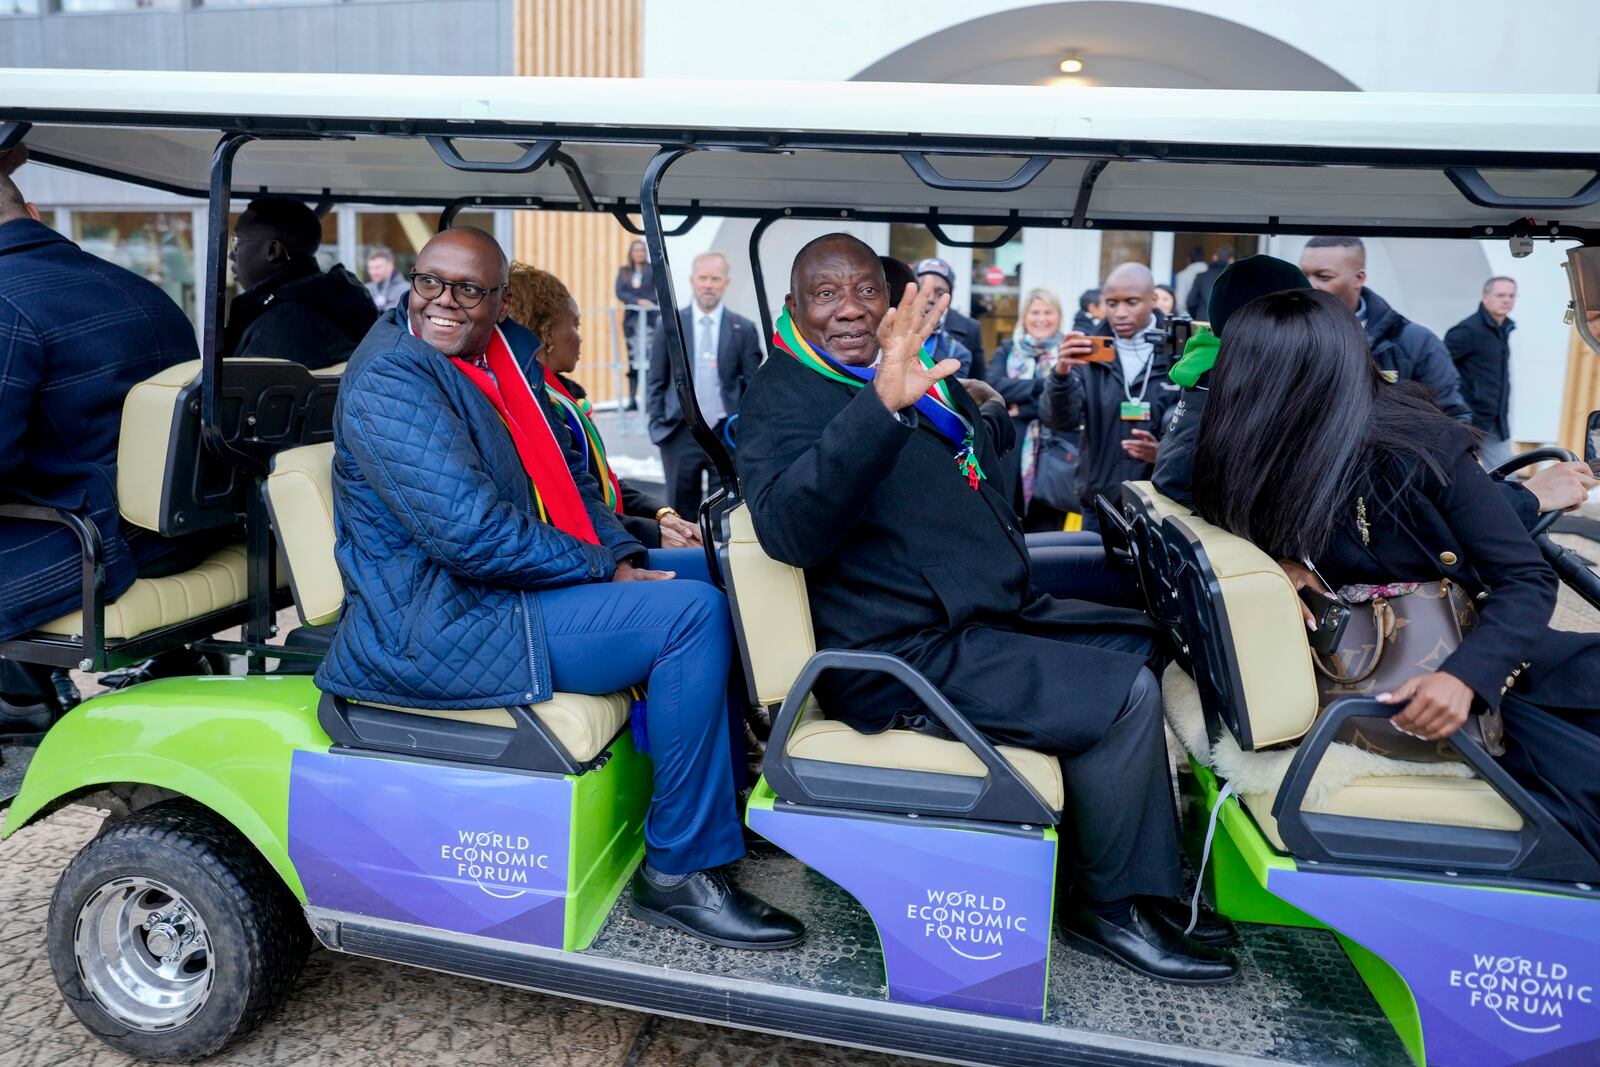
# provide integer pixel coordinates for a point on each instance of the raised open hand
(901, 378)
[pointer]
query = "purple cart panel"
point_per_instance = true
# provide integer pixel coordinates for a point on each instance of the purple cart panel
(964, 916)
(1500, 977)
(472, 851)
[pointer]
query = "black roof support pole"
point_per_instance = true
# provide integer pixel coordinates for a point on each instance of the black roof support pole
(760, 280)
(671, 325)
(215, 436)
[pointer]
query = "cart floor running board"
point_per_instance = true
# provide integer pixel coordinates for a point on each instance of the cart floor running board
(13, 765)
(1298, 1002)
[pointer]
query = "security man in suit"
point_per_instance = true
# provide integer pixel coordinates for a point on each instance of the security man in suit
(724, 352)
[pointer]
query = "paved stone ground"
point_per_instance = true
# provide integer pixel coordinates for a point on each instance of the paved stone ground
(349, 1012)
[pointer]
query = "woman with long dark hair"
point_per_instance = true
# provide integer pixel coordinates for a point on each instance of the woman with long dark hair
(1308, 452)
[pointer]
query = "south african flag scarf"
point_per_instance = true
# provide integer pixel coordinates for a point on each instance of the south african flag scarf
(577, 411)
(936, 405)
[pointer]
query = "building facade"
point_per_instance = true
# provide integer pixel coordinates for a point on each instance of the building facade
(1359, 46)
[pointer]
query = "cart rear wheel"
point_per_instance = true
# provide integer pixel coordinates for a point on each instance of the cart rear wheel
(170, 936)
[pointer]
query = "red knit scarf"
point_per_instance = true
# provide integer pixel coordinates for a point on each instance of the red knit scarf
(546, 465)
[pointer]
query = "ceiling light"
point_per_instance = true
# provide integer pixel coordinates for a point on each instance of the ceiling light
(1072, 65)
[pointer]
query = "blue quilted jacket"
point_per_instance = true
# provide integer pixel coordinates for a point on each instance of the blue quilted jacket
(439, 542)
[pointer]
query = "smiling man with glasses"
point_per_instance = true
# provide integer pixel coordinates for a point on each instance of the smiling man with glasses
(289, 308)
(482, 568)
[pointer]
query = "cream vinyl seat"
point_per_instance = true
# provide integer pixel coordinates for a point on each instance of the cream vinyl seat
(152, 469)
(299, 495)
(774, 616)
(1267, 671)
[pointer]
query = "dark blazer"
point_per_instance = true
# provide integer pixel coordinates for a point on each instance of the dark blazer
(1482, 354)
(902, 556)
(1091, 397)
(312, 317)
(627, 293)
(738, 356)
(1174, 473)
(1462, 527)
(76, 333)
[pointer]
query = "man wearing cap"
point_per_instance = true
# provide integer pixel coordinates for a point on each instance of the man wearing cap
(955, 333)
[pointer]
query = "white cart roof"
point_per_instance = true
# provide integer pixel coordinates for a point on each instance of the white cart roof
(1118, 158)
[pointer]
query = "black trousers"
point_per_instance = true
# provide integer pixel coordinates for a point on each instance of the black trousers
(1119, 829)
(685, 464)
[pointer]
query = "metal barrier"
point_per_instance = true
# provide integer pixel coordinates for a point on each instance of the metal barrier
(605, 372)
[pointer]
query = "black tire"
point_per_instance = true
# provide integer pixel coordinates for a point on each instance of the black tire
(256, 934)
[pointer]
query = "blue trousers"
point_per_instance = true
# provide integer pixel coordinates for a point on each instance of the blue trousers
(677, 637)
(1072, 565)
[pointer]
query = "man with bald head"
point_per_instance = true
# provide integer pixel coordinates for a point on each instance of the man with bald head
(1120, 403)
(483, 569)
(863, 465)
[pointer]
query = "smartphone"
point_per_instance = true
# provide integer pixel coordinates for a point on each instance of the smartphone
(1331, 614)
(1105, 350)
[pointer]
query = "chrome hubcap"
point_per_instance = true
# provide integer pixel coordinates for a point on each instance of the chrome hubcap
(144, 954)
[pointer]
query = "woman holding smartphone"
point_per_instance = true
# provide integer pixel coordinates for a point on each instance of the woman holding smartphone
(1308, 452)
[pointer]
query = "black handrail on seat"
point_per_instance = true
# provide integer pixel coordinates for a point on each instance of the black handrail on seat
(531, 745)
(1004, 796)
(1542, 849)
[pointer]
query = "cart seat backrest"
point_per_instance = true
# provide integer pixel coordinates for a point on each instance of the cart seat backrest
(776, 616)
(1246, 637)
(168, 482)
(299, 493)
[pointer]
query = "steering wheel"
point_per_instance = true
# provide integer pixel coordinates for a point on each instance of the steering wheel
(1528, 459)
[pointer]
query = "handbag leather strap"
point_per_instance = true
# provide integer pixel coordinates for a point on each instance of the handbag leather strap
(1383, 624)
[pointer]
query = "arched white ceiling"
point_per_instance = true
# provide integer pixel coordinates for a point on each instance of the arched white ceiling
(1132, 44)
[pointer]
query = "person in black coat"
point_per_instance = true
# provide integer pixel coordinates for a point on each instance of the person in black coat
(1403, 350)
(724, 352)
(288, 308)
(1480, 345)
(910, 551)
(1122, 404)
(1403, 501)
(636, 288)
(1553, 488)
(1199, 295)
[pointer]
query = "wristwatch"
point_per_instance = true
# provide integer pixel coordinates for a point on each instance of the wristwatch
(662, 512)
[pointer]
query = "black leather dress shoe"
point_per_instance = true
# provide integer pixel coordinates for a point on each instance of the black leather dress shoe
(1147, 947)
(708, 906)
(1211, 929)
(29, 721)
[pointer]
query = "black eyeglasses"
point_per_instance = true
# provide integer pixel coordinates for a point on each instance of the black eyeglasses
(466, 294)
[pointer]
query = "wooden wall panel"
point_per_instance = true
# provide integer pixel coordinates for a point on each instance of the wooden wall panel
(1582, 394)
(580, 38)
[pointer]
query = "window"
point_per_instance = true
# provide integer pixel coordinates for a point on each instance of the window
(1123, 246)
(404, 233)
(996, 285)
(78, 7)
(909, 242)
(19, 7)
(261, 3)
(158, 245)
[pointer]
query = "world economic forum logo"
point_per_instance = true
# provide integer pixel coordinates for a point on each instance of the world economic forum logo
(1531, 996)
(973, 925)
(497, 863)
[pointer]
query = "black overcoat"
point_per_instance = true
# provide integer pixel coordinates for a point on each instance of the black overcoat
(902, 556)
(1482, 353)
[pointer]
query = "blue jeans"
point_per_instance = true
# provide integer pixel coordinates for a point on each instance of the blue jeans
(675, 636)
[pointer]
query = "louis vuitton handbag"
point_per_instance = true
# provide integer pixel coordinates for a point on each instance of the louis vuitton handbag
(1394, 633)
